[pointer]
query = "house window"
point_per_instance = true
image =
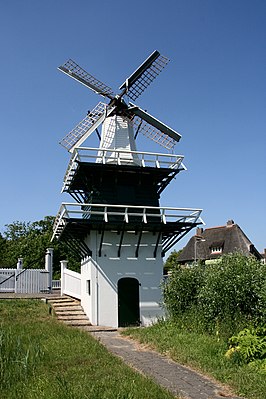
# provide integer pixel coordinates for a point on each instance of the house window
(216, 250)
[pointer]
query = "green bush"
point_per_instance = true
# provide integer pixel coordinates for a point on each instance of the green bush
(234, 287)
(181, 290)
(226, 296)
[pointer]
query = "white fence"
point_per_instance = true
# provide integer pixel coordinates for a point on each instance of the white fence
(56, 284)
(7, 280)
(28, 281)
(70, 281)
(24, 281)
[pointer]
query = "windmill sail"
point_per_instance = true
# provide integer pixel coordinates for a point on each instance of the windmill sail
(153, 134)
(84, 128)
(144, 75)
(72, 69)
(119, 118)
(154, 122)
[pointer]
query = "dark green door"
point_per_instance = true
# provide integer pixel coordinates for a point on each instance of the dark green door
(128, 302)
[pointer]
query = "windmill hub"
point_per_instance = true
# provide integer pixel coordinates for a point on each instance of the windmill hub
(120, 106)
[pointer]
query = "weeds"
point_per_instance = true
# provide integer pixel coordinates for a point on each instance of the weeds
(248, 345)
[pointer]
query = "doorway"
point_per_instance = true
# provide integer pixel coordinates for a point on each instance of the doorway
(128, 302)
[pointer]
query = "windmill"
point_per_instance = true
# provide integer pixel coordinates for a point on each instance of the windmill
(117, 226)
(118, 117)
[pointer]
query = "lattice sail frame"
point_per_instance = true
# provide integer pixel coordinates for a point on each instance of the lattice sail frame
(82, 128)
(153, 134)
(147, 77)
(72, 69)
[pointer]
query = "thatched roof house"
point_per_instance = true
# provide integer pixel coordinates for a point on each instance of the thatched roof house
(213, 242)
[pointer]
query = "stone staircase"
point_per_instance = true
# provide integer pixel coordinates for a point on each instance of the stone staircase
(69, 311)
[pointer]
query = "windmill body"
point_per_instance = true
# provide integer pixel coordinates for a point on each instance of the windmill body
(118, 134)
(116, 224)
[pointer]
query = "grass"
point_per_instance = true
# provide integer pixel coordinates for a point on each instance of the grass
(204, 353)
(42, 358)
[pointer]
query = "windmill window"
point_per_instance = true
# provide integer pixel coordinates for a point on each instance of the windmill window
(88, 287)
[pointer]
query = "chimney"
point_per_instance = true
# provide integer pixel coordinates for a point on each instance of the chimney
(199, 231)
(230, 222)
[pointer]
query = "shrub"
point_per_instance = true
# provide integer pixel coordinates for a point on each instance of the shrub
(180, 291)
(233, 287)
(224, 297)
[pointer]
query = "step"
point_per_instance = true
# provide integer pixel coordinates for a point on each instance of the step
(77, 322)
(73, 317)
(63, 300)
(93, 329)
(67, 308)
(57, 298)
(70, 313)
(65, 304)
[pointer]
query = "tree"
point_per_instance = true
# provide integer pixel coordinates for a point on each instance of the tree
(171, 262)
(30, 240)
(16, 230)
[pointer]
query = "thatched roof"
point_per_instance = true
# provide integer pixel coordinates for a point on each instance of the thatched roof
(213, 242)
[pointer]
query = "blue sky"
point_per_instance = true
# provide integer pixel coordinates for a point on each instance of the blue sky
(213, 92)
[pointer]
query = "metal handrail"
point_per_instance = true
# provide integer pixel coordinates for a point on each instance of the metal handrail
(119, 157)
(165, 213)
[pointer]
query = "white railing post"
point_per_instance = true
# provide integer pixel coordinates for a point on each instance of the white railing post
(105, 214)
(20, 264)
(126, 215)
(144, 216)
(63, 264)
(163, 216)
(49, 266)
